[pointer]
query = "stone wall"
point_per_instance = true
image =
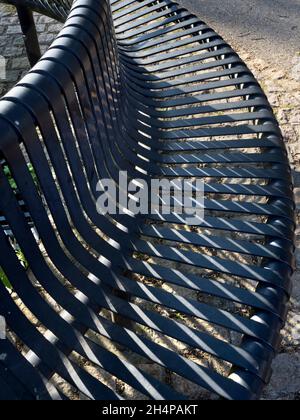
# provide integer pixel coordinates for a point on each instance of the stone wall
(12, 47)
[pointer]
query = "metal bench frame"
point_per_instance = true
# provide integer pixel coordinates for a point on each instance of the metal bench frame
(148, 88)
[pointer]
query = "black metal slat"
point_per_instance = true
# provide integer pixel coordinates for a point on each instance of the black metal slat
(203, 285)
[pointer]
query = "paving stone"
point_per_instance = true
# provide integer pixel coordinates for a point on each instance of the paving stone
(20, 63)
(13, 29)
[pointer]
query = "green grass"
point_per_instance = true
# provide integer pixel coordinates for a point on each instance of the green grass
(4, 279)
(9, 177)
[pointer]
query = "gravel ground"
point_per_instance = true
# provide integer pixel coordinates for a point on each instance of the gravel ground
(271, 28)
(266, 34)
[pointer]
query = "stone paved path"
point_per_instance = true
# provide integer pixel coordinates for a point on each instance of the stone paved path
(266, 34)
(271, 28)
(12, 44)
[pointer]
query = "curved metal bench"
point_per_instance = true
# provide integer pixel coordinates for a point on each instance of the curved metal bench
(123, 306)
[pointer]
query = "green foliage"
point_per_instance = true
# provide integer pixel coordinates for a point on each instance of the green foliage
(19, 253)
(4, 279)
(22, 258)
(9, 177)
(23, 261)
(32, 172)
(11, 180)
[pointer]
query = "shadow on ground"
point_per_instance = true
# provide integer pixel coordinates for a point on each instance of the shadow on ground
(270, 27)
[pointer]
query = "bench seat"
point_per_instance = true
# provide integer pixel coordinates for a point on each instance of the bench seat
(122, 306)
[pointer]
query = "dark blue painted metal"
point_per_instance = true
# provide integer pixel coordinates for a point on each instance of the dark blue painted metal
(145, 87)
